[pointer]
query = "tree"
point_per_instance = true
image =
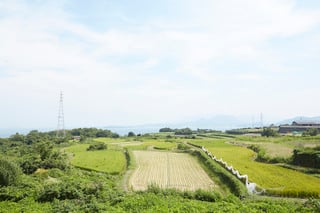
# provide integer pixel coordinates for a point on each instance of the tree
(9, 172)
(17, 137)
(166, 129)
(184, 131)
(32, 137)
(269, 132)
(97, 146)
(311, 132)
(131, 134)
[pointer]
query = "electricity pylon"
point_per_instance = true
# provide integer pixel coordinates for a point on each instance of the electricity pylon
(61, 132)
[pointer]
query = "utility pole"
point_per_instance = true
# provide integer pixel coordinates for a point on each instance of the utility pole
(61, 132)
(261, 120)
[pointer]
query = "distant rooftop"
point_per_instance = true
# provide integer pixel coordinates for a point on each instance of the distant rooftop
(305, 123)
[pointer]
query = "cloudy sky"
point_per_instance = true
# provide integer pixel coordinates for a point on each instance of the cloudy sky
(123, 62)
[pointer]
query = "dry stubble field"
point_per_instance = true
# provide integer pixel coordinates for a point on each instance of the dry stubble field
(168, 170)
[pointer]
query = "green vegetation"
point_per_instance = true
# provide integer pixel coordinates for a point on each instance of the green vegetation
(244, 131)
(39, 173)
(97, 146)
(131, 134)
(9, 172)
(307, 157)
(222, 176)
(277, 180)
(311, 132)
(184, 131)
(182, 146)
(109, 161)
(269, 132)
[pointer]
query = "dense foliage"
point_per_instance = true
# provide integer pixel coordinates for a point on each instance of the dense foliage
(307, 157)
(311, 132)
(97, 146)
(9, 172)
(184, 131)
(92, 133)
(268, 132)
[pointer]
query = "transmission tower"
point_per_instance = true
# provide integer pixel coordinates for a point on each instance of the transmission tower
(61, 132)
(261, 120)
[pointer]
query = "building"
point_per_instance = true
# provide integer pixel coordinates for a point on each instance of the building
(299, 127)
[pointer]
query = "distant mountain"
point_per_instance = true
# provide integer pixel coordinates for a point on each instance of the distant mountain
(218, 122)
(299, 118)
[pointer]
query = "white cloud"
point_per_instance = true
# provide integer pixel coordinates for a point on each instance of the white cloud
(43, 50)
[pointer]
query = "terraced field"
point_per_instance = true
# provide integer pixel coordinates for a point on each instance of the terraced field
(275, 179)
(168, 170)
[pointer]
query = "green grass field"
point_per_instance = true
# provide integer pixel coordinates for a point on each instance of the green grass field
(109, 161)
(279, 146)
(156, 144)
(275, 179)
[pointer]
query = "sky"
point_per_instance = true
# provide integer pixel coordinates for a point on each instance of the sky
(123, 62)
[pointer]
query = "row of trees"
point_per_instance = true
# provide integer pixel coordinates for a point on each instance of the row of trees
(35, 136)
(188, 131)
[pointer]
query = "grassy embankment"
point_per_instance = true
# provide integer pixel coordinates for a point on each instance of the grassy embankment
(275, 179)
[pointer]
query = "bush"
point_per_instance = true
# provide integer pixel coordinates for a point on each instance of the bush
(97, 146)
(184, 131)
(29, 164)
(9, 172)
(207, 196)
(166, 129)
(311, 132)
(183, 146)
(131, 134)
(61, 191)
(307, 158)
(269, 132)
(56, 160)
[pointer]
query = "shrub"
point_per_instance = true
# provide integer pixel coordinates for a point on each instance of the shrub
(61, 191)
(306, 157)
(311, 132)
(30, 163)
(55, 173)
(183, 146)
(268, 132)
(131, 134)
(9, 172)
(207, 196)
(97, 146)
(184, 131)
(166, 129)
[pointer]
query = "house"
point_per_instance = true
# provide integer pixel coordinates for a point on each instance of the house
(298, 127)
(310, 123)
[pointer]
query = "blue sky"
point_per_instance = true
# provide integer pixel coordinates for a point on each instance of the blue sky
(136, 62)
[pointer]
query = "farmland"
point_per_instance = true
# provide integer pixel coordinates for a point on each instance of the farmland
(109, 161)
(153, 173)
(273, 178)
(168, 170)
